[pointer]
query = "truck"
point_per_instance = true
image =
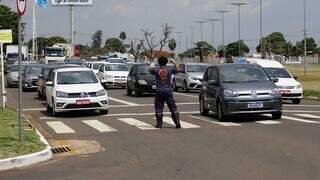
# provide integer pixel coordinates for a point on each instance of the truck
(12, 55)
(54, 54)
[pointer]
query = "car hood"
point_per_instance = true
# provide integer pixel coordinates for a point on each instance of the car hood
(14, 74)
(249, 86)
(198, 75)
(78, 88)
(287, 82)
(117, 73)
(32, 76)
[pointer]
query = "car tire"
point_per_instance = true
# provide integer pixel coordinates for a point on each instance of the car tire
(24, 89)
(277, 115)
(175, 87)
(203, 110)
(296, 101)
(220, 113)
(40, 96)
(129, 91)
(185, 87)
(104, 112)
(137, 93)
(54, 113)
(123, 87)
(49, 109)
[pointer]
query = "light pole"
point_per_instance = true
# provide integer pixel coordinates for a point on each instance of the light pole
(192, 41)
(305, 38)
(179, 41)
(261, 29)
(213, 20)
(238, 4)
(201, 43)
(222, 23)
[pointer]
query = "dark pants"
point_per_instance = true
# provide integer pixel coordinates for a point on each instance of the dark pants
(162, 97)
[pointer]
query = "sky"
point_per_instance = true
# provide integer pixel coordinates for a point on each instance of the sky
(130, 16)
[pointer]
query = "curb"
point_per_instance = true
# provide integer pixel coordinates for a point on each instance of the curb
(29, 159)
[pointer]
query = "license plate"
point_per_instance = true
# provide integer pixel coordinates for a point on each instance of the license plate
(285, 91)
(154, 87)
(255, 105)
(83, 102)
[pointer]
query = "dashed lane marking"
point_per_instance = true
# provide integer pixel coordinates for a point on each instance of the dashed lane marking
(227, 124)
(122, 101)
(99, 126)
(137, 123)
(308, 116)
(299, 120)
(268, 122)
(60, 128)
(184, 124)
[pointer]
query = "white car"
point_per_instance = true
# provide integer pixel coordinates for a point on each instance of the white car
(75, 88)
(114, 74)
(287, 84)
(95, 66)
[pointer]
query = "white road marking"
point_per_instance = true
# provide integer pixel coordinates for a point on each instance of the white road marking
(148, 114)
(99, 126)
(308, 116)
(184, 124)
(137, 123)
(268, 122)
(227, 124)
(300, 105)
(60, 128)
(187, 95)
(122, 101)
(299, 120)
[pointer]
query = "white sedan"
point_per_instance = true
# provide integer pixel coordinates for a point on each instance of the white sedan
(70, 89)
(114, 74)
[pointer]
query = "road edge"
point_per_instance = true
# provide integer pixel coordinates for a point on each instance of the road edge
(29, 159)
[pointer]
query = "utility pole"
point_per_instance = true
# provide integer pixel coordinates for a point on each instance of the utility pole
(261, 29)
(305, 38)
(20, 80)
(71, 24)
(222, 23)
(179, 41)
(201, 43)
(213, 20)
(192, 42)
(238, 4)
(34, 30)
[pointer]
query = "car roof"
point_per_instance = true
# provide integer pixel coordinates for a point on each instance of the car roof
(194, 63)
(230, 64)
(265, 63)
(73, 69)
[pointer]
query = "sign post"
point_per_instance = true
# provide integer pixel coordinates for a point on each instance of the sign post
(5, 37)
(21, 6)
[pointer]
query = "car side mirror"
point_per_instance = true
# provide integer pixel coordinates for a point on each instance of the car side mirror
(40, 76)
(212, 82)
(295, 77)
(275, 80)
(103, 81)
(49, 83)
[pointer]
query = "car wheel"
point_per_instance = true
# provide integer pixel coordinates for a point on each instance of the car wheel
(49, 109)
(175, 87)
(24, 89)
(296, 101)
(123, 87)
(277, 115)
(40, 96)
(104, 112)
(137, 93)
(129, 91)
(203, 110)
(185, 85)
(220, 112)
(54, 113)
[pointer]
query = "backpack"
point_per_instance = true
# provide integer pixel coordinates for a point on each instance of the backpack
(163, 74)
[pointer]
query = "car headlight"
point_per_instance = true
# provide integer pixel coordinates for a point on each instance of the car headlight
(274, 92)
(229, 93)
(61, 94)
(193, 78)
(102, 92)
(27, 79)
(142, 82)
(109, 76)
(298, 87)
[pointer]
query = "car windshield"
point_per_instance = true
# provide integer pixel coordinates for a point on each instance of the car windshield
(116, 67)
(129, 65)
(16, 68)
(76, 77)
(240, 74)
(144, 70)
(74, 61)
(33, 70)
(97, 66)
(196, 68)
(54, 52)
(277, 72)
(115, 61)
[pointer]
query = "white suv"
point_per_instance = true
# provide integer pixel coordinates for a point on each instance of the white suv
(75, 88)
(114, 74)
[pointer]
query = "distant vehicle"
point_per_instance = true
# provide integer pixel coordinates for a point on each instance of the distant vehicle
(75, 88)
(116, 60)
(54, 54)
(95, 65)
(189, 77)
(74, 61)
(288, 85)
(12, 58)
(140, 80)
(30, 76)
(13, 49)
(230, 89)
(130, 64)
(114, 74)
(12, 75)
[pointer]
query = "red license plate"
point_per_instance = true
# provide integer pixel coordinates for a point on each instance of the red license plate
(83, 102)
(285, 91)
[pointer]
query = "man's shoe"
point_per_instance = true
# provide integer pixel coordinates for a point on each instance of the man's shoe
(159, 120)
(176, 119)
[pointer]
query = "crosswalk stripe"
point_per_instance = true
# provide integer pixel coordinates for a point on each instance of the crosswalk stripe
(60, 128)
(99, 126)
(268, 122)
(184, 124)
(308, 116)
(137, 123)
(299, 120)
(227, 124)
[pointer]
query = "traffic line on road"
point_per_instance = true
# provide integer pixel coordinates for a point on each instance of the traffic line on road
(308, 116)
(300, 120)
(300, 105)
(99, 126)
(60, 128)
(186, 95)
(268, 122)
(122, 101)
(184, 125)
(137, 123)
(227, 124)
(149, 114)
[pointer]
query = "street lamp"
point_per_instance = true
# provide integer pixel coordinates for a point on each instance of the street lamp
(201, 28)
(213, 20)
(238, 4)
(261, 29)
(305, 38)
(222, 22)
(179, 33)
(192, 40)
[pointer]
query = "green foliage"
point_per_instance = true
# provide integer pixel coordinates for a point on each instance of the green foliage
(55, 39)
(114, 45)
(9, 20)
(298, 49)
(172, 44)
(97, 39)
(201, 46)
(232, 49)
(123, 36)
(274, 43)
(41, 43)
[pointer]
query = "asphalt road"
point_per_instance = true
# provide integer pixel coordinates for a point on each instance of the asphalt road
(247, 147)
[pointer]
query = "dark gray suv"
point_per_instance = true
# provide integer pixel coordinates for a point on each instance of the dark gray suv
(230, 89)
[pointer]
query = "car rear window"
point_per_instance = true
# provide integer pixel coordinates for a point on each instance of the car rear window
(277, 72)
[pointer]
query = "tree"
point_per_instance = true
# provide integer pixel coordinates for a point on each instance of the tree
(136, 47)
(123, 36)
(41, 44)
(154, 47)
(114, 45)
(232, 49)
(56, 39)
(299, 47)
(97, 39)
(172, 44)
(273, 43)
(9, 20)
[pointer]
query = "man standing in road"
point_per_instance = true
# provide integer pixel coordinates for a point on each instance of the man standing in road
(164, 91)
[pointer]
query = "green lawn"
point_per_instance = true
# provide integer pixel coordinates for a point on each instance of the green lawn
(310, 81)
(9, 137)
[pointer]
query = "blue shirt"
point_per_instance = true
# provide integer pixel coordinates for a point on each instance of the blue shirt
(164, 85)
